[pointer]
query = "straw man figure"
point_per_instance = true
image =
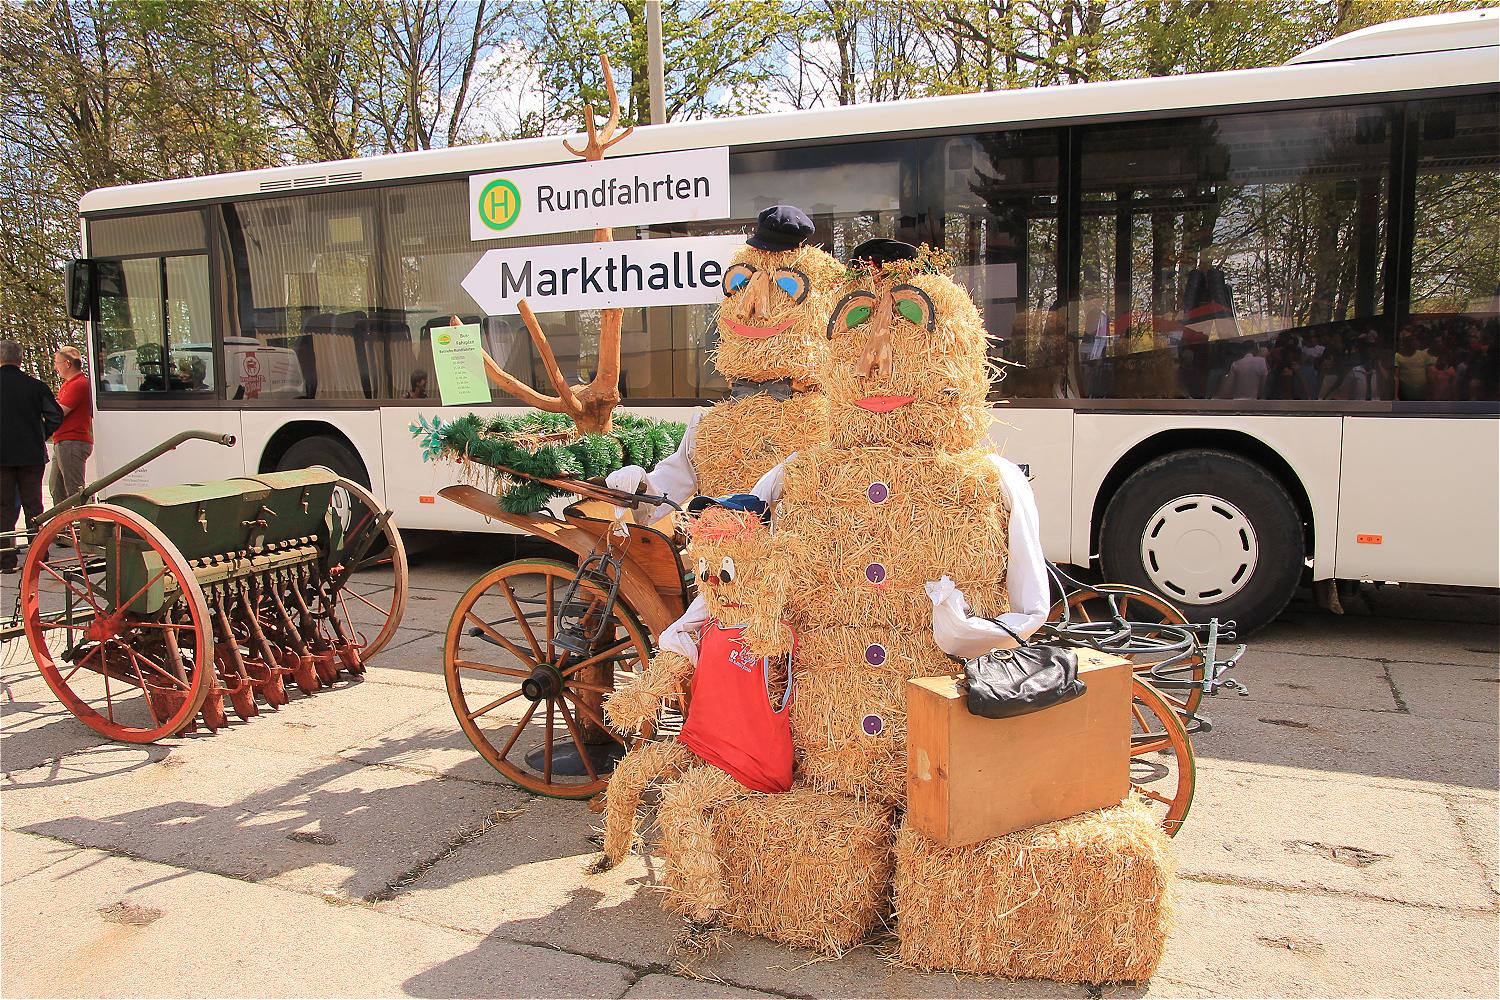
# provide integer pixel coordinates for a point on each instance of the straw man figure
(894, 538)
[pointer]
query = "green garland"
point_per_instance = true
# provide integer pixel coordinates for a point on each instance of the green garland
(499, 442)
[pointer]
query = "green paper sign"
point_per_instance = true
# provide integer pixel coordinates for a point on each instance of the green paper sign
(458, 362)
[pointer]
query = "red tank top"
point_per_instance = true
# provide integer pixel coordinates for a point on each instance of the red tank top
(731, 723)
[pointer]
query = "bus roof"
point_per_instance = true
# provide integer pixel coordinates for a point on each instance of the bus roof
(1346, 66)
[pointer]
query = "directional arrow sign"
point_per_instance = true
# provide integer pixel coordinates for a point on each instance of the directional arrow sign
(669, 272)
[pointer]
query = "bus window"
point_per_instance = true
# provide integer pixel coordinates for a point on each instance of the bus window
(155, 333)
(1449, 348)
(1235, 257)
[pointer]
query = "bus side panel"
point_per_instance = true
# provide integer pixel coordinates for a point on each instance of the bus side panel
(121, 435)
(1309, 444)
(1419, 500)
(408, 478)
(361, 427)
(1042, 441)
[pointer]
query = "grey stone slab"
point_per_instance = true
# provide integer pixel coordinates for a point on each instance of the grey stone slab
(660, 987)
(1241, 941)
(1440, 691)
(331, 827)
(22, 855)
(528, 880)
(34, 725)
(1478, 818)
(1278, 828)
(1380, 636)
(1334, 681)
(1337, 741)
(434, 743)
(98, 925)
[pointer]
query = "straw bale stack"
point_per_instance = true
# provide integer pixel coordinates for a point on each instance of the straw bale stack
(942, 513)
(849, 709)
(805, 868)
(739, 439)
(1083, 900)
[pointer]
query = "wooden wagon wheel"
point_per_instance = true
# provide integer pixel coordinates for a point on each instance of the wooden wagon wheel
(373, 582)
(1181, 685)
(1162, 770)
(531, 709)
(137, 659)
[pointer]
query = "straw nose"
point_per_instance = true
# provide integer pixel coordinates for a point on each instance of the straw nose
(758, 296)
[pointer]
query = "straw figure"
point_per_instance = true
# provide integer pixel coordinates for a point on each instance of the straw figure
(777, 293)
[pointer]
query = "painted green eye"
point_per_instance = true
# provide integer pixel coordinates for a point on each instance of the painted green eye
(857, 316)
(910, 310)
(914, 306)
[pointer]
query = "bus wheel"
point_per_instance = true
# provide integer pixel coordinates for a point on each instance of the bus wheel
(1213, 532)
(328, 452)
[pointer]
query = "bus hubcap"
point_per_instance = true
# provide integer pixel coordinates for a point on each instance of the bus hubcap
(1199, 549)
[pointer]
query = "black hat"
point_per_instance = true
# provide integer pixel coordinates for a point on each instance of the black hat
(781, 227)
(747, 503)
(882, 252)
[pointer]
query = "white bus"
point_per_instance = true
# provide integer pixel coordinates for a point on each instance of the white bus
(1256, 310)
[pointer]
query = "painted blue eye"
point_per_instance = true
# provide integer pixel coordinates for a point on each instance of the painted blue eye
(738, 281)
(792, 282)
(789, 285)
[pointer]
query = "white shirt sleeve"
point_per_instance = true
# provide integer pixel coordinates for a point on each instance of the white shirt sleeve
(959, 634)
(673, 476)
(682, 635)
(770, 486)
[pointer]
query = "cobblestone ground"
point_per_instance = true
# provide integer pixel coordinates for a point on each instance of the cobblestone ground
(1342, 841)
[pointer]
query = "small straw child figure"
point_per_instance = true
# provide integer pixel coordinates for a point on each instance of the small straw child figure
(738, 724)
(889, 535)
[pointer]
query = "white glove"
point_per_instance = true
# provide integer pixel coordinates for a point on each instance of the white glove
(955, 631)
(630, 479)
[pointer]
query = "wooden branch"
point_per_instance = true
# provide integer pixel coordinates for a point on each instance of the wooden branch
(549, 360)
(608, 372)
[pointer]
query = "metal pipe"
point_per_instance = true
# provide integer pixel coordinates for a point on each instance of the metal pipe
(654, 69)
(227, 440)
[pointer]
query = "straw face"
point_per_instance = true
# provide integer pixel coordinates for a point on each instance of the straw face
(736, 574)
(870, 526)
(1085, 899)
(907, 366)
(739, 440)
(805, 868)
(772, 326)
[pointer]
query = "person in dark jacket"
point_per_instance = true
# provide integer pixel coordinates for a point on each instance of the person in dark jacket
(28, 415)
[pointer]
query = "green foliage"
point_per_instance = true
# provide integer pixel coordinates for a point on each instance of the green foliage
(520, 444)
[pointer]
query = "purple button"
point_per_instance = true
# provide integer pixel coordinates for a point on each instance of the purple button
(875, 654)
(873, 725)
(875, 573)
(878, 492)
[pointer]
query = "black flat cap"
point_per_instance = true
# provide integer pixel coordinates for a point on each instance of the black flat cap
(781, 227)
(882, 252)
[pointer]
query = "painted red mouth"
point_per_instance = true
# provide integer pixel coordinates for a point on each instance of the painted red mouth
(883, 404)
(757, 332)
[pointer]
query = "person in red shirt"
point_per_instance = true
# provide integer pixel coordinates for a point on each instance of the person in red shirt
(73, 442)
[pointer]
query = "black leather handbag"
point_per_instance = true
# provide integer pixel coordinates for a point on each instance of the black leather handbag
(1005, 683)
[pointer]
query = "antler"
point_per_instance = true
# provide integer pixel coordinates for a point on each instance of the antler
(589, 405)
(595, 147)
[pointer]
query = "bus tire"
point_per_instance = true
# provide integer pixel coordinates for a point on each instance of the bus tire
(1211, 531)
(328, 452)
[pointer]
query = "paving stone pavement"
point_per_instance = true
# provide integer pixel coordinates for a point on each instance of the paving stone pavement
(1342, 841)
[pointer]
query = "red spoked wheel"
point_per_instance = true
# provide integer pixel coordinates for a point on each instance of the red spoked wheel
(1162, 770)
(137, 657)
(367, 577)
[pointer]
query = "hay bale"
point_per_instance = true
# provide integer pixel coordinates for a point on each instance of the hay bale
(805, 868)
(796, 352)
(631, 708)
(849, 707)
(1085, 900)
(945, 513)
(739, 440)
(644, 764)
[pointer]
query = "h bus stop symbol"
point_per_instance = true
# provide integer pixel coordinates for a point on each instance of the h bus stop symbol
(499, 204)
